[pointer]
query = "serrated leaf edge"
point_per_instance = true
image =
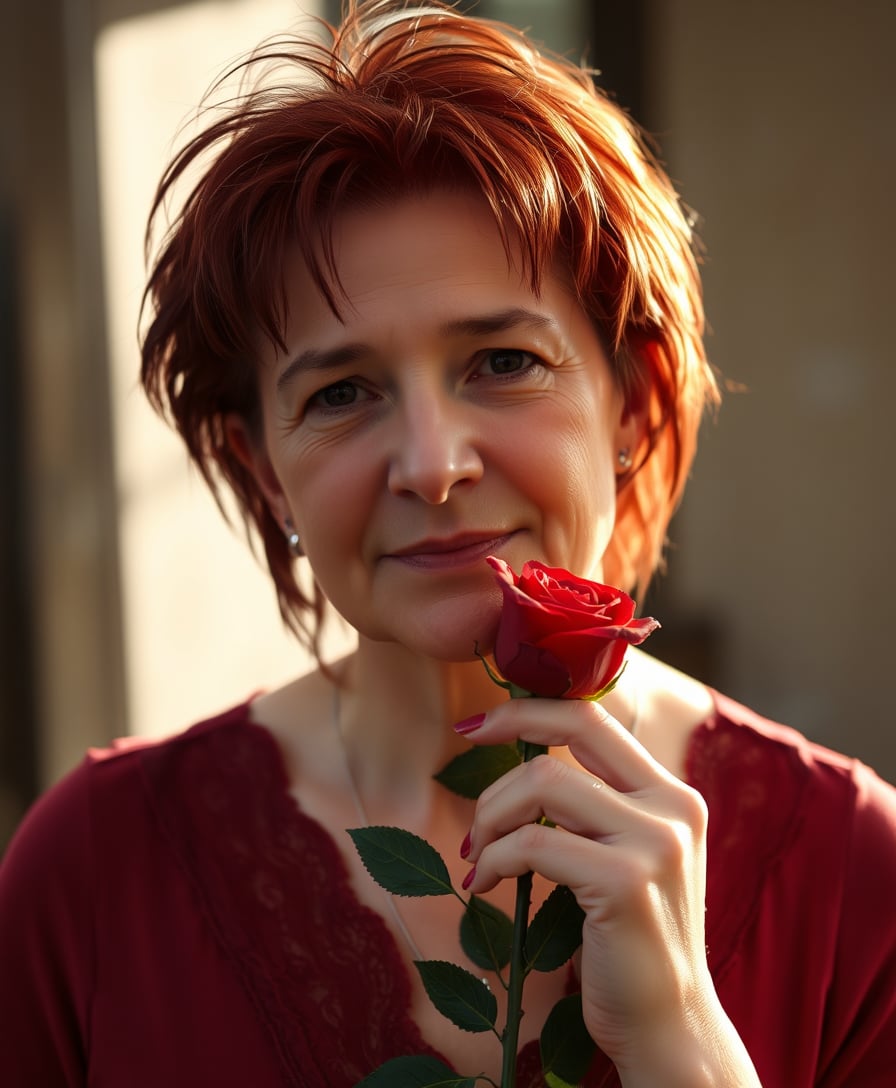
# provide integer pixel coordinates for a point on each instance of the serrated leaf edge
(442, 879)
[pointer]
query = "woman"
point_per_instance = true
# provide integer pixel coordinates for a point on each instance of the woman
(430, 300)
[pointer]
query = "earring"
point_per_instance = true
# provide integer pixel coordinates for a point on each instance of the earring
(624, 459)
(292, 539)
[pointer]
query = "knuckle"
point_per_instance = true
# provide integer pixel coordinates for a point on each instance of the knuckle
(691, 809)
(676, 844)
(588, 713)
(672, 848)
(545, 771)
(532, 837)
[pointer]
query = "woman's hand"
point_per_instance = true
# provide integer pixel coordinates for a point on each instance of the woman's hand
(630, 842)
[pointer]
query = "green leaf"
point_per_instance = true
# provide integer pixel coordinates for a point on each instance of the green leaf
(401, 862)
(516, 692)
(473, 771)
(460, 996)
(566, 1046)
(555, 932)
(420, 1071)
(553, 1081)
(486, 934)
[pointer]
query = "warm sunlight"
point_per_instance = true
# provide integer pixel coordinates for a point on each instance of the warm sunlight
(192, 590)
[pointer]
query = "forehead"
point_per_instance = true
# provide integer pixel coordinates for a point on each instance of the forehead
(416, 235)
(430, 253)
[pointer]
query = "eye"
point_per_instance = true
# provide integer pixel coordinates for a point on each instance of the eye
(341, 394)
(502, 362)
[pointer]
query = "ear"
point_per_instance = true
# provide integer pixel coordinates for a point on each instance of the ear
(629, 433)
(249, 449)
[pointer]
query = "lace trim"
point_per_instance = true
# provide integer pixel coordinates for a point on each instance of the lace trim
(321, 969)
(275, 891)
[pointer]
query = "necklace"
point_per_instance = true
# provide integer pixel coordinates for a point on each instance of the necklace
(365, 819)
(355, 794)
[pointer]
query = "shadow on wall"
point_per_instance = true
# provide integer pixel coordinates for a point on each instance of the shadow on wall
(18, 771)
(776, 120)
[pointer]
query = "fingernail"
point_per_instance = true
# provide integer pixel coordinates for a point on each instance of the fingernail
(468, 725)
(469, 878)
(466, 846)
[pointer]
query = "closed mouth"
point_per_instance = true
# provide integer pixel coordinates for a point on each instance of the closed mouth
(458, 550)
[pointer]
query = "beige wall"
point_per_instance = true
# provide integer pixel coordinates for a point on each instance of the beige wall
(48, 188)
(777, 118)
(201, 628)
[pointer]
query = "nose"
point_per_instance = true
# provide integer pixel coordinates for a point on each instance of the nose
(435, 448)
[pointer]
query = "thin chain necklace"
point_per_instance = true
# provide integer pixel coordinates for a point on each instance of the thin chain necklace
(365, 819)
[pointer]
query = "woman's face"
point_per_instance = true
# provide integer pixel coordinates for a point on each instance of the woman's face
(450, 414)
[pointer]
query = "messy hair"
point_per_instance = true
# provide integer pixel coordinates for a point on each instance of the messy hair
(399, 100)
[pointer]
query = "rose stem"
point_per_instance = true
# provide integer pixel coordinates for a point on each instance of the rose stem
(515, 983)
(517, 958)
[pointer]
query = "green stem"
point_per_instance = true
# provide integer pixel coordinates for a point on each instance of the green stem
(518, 969)
(517, 977)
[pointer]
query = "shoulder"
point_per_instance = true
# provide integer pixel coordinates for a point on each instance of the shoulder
(736, 741)
(74, 884)
(738, 754)
(104, 821)
(793, 815)
(61, 824)
(801, 881)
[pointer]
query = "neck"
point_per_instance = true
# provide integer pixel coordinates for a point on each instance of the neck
(397, 710)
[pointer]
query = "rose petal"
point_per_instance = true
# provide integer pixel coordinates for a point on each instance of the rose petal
(559, 635)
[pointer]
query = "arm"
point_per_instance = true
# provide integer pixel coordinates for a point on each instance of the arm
(859, 1047)
(46, 942)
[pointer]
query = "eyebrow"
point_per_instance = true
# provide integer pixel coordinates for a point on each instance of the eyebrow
(501, 321)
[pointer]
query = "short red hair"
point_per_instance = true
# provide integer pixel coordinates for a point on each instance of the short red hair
(401, 101)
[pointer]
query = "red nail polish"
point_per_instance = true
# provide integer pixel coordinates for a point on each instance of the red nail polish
(468, 725)
(466, 846)
(469, 878)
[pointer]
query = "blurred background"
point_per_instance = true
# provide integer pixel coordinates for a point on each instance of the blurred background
(126, 604)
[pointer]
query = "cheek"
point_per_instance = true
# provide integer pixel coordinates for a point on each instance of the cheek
(575, 459)
(328, 488)
(577, 490)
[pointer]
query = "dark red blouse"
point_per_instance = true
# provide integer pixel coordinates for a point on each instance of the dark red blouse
(169, 916)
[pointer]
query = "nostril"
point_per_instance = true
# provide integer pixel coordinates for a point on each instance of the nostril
(431, 473)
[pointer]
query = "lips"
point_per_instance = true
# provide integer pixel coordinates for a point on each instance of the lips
(445, 553)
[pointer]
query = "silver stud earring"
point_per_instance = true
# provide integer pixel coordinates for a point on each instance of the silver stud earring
(292, 539)
(624, 459)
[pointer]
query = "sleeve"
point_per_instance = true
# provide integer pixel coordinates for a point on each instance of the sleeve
(859, 1049)
(46, 941)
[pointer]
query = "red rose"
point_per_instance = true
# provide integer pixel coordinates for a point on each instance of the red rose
(560, 636)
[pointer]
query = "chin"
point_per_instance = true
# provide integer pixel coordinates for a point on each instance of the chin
(453, 630)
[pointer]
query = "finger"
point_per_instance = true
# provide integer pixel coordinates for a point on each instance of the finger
(584, 866)
(600, 743)
(566, 795)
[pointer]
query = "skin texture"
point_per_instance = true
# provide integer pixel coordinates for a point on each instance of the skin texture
(405, 442)
(436, 442)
